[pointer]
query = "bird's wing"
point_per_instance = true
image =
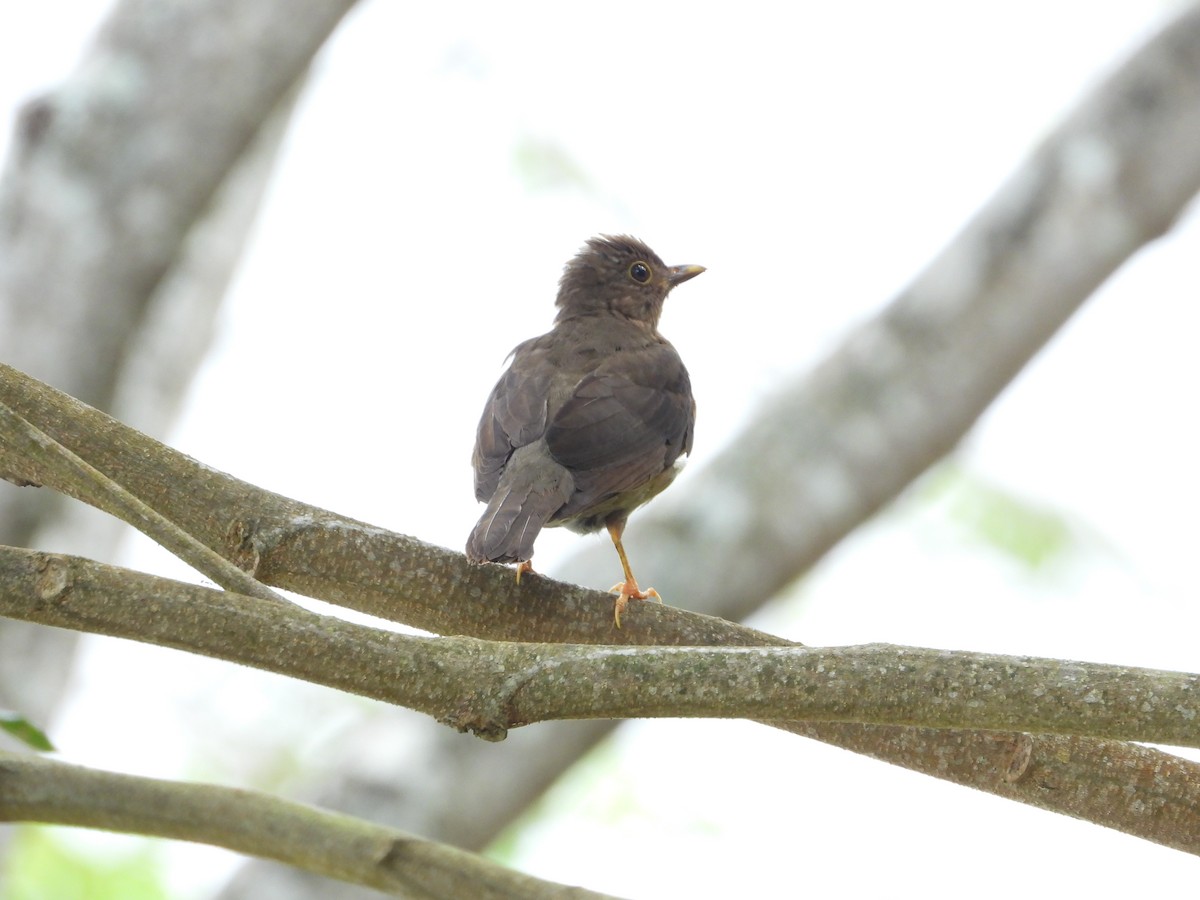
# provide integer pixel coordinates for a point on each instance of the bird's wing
(515, 415)
(626, 422)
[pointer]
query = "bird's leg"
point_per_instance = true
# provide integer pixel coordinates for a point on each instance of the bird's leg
(523, 567)
(627, 590)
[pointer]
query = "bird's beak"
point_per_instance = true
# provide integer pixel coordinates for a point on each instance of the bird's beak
(680, 274)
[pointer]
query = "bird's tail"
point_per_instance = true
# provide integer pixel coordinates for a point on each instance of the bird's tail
(533, 488)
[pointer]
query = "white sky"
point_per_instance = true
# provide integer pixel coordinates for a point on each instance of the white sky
(813, 157)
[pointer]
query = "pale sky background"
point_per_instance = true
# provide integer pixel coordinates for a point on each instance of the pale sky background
(813, 157)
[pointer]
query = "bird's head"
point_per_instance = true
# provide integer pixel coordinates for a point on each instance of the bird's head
(618, 275)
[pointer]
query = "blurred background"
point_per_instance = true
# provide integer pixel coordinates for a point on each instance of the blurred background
(442, 164)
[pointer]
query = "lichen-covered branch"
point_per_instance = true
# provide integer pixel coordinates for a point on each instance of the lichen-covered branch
(488, 687)
(292, 545)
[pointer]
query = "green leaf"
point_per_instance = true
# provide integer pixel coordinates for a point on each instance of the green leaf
(1030, 533)
(21, 728)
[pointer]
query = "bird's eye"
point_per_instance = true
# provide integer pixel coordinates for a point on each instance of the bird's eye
(639, 272)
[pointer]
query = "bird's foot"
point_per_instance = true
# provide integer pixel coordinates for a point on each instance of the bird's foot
(629, 590)
(523, 568)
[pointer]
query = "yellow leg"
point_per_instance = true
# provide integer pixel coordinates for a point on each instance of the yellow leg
(627, 590)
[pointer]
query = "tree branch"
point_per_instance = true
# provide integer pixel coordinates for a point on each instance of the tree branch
(362, 567)
(34, 789)
(310, 550)
(1133, 789)
(89, 211)
(488, 687)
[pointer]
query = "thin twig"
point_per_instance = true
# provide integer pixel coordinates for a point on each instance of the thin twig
(92, 486)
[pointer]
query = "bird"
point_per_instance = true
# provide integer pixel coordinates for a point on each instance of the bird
(591, 419)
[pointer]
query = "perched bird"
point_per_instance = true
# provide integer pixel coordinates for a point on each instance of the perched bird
(592, 418)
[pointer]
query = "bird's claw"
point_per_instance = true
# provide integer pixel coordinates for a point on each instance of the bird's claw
(523, 568)
(626, 591)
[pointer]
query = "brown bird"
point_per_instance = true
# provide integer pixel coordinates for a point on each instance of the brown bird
(592, 418)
